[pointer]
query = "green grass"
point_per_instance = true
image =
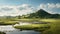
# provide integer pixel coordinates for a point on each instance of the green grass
(2, 33)
(36, 27)
(5, 21)
(54, 24)
(27, 20)
(8, 22)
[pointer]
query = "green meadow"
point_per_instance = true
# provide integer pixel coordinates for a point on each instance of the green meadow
(36, 27)
(53, 26)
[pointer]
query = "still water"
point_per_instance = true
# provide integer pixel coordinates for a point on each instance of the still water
(8, 29)
(23, 32)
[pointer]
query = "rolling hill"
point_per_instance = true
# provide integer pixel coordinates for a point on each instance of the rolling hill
(43, 14)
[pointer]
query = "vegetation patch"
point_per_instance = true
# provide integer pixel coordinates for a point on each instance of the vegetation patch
(54, 26)
(2, 33)
(8, 23)
(36, 27)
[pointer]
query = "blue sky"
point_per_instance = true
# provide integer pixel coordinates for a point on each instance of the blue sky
(32, 2)
(19, 7)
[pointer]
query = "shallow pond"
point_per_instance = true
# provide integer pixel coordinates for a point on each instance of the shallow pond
(23, 32)
(8, 29)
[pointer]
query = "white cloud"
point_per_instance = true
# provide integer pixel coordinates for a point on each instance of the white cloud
(42, 6)
(7, 10)
(58, 5)
(50, 7)
(25, 9)
(16, 10)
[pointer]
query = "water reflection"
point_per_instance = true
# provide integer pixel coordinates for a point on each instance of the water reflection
(9, 29)
(23, 32)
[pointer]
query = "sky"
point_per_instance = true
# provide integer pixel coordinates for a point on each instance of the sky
(23, 7)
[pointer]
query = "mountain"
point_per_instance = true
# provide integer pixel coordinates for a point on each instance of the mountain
(43, 14)
(55, 16)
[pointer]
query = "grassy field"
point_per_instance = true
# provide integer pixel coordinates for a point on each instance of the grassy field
(5, 21)
(8, 22)
(37, 27)
(54, 25)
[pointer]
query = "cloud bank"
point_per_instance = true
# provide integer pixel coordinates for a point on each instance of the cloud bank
(7, 10)
(16, 10)
(51, 7)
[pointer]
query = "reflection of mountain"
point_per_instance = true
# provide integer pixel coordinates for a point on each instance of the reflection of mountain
(43, 14)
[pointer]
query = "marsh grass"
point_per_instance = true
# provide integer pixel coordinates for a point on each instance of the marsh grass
(2, 33)
(36, 27)
(54, 24)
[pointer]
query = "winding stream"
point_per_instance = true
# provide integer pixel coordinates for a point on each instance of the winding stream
(9, 29)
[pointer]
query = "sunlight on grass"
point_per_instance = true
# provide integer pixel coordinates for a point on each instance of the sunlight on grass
(38, 27)
(55, 26)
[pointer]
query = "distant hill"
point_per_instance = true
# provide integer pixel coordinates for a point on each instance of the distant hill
(43, 14)
(55, 16)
